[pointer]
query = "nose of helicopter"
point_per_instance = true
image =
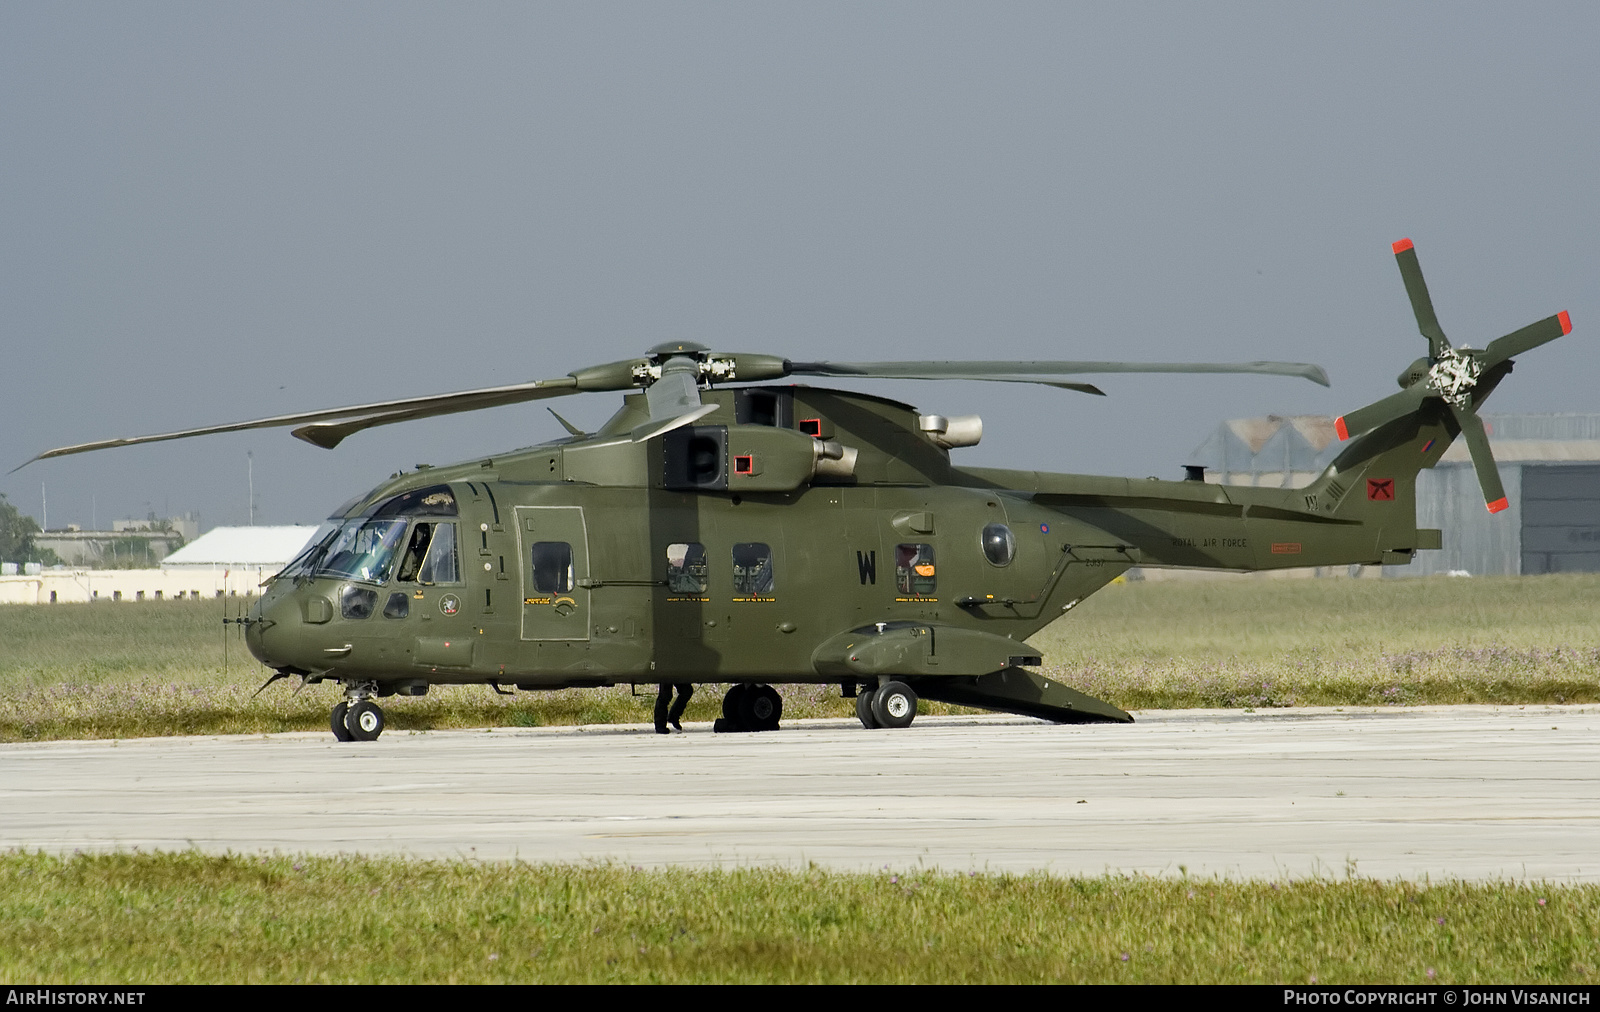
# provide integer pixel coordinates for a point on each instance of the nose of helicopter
(272, 627)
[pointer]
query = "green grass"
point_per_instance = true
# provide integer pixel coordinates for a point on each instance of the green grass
(181, 918)
(1333, 642)
(154, 668)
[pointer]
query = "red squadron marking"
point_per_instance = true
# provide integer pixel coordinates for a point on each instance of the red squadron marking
(1380, 489)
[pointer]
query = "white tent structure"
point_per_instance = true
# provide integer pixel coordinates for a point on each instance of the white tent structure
(266, 548)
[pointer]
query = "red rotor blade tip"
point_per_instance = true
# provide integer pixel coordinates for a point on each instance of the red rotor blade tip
(1498, 505)
(1401, 246)
(1566, 322)
(1338, 426)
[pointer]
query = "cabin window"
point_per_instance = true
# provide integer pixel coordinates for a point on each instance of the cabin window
(686, 568)
(999, 544)
(399, 605)
(552, 567)
(913, 569)
(752, 570)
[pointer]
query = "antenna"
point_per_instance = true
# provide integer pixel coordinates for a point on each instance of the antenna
(250, 458)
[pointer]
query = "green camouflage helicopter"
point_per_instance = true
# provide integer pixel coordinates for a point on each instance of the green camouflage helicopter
(721, 530)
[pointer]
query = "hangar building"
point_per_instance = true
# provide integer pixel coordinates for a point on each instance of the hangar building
(1550, 465)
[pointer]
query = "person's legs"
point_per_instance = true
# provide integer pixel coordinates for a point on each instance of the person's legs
(663, 698)
(675, 715)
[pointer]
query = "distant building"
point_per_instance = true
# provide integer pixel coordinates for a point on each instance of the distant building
(264, 548)
(1550, 465)
(140, 542)
(224, 562)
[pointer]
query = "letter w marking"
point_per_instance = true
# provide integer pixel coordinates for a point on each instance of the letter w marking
(868, 564)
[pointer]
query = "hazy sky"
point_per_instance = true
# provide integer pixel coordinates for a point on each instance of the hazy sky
(213, 212)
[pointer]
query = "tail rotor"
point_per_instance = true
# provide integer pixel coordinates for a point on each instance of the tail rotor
(1457, 378)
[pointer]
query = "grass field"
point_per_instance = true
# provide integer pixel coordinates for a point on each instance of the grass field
(154, 668)
(183, 918)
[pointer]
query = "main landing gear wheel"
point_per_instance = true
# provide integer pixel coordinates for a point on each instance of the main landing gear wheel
(364, 721)
(760, 708)
(864, 707)
(750, 708)
(336, 722)
(894, 705)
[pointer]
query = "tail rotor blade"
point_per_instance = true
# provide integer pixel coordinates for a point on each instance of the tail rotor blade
(1494, 493)
(1375, 414)
(1528, 338)
(1405, 255)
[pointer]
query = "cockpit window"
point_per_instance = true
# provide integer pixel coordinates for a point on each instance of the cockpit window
(430, 555)
(363, 550)
(440, 566)
(433, 501)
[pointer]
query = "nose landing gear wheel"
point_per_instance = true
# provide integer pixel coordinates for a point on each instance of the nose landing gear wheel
(894, 705)
(864, 707)
(364, 721)
(336, 722)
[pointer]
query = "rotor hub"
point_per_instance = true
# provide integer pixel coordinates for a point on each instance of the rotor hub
(685, 356)
(1455, 375)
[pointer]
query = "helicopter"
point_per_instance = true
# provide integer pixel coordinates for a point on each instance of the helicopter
(728, 526)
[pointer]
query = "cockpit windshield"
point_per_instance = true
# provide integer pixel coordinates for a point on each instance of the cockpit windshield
(362, 549)
(367, 547)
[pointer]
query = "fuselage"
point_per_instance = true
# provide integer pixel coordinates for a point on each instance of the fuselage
(737, 550)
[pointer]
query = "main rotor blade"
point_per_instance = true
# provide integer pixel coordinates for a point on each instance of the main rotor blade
(1526, 339)
(1375, 414)
(1411, 272)
(1494, 493)
(381, 413)
(1018, 372)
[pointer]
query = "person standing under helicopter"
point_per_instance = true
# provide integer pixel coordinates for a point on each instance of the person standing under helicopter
(669, 712)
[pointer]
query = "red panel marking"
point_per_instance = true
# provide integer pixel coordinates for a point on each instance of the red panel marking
(1338, 426)
(1566, 322)
(1401, 246)
(1380, 489)
(1498, 505)
(744, 465)
(811, 426)
(1286, 548)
